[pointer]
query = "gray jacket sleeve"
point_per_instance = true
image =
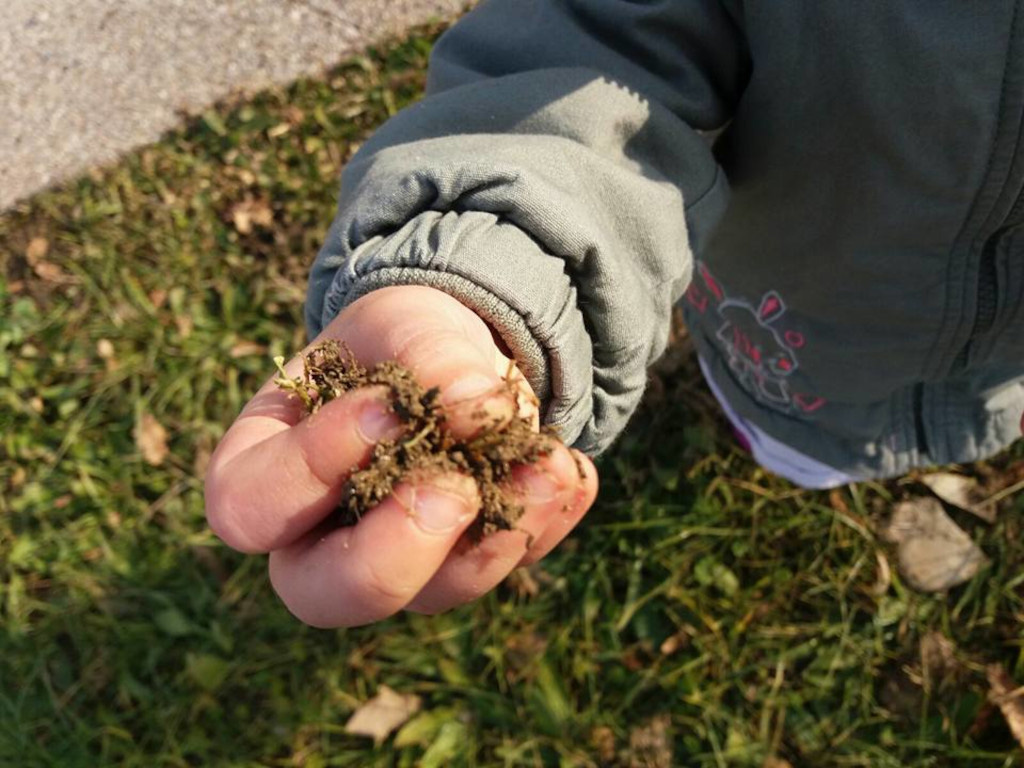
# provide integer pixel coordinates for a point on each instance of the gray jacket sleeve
(555, 179)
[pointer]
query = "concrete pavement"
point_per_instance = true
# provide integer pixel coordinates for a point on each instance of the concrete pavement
(83, 81)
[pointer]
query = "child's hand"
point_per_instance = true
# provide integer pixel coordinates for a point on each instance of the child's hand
(275, 476)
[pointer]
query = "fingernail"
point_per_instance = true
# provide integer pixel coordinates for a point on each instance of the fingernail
(581, 462)
(377, 422)
(437, 511)
(468, 388)
(540, 487)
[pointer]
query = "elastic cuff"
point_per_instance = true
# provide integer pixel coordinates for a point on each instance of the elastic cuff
(471, 257)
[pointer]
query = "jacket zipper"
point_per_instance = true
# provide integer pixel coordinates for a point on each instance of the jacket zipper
(984, 319)
(988, 294)
(988, 282)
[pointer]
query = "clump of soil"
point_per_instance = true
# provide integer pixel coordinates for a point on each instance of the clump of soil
(426, 446)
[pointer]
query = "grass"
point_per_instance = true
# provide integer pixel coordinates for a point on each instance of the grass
(705, 614)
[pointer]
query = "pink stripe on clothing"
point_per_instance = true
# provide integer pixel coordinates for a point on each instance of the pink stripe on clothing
(774, 456)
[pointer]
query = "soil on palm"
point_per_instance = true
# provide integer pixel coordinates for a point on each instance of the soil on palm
(426, 446)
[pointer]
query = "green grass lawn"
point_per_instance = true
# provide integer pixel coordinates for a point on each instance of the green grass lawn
(705, 614)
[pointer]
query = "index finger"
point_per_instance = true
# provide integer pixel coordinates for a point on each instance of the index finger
(364, 573)
(269, 482)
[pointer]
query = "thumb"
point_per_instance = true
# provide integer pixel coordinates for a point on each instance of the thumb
(444, 343)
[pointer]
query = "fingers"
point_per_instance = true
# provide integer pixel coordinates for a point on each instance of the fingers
(555, 499)
(269, 483)
(570, 515)
(275, 474)
(353, 576)
(444, 344)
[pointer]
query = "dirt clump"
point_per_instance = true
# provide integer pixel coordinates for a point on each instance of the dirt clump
(425, 446)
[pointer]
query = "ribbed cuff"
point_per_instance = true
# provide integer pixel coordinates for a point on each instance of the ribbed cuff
(472, 256)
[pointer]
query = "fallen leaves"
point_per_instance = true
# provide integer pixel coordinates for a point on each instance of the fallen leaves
(650, 745)
(201, 458)
(939, 664)
(522, 649)
(884, 578)
(251, 211)
(151, 440)
(184, 325)
(673, 643)
(37, 249)
(105, 349)
(47, 271)
(933, 552)
(602, 739)
(521, 582)
(1005, 694)
(106, 352)
(962, 492)
(382, 714)
(157, 297)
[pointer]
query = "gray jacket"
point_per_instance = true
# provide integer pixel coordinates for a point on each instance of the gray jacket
(849, 252)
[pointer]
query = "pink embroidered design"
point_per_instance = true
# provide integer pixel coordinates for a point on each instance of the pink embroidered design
(807, 403)
(710, 282)
(760, 353)
(696, 298)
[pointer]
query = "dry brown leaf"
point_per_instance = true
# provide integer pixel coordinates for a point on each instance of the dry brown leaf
(106, 352)
(901, 692)
(247, 349)
(884, 580)
(201, 462)
(934, 553)
(382, 714)
(241, 219)
(49, 272)
(671, 644)
(37, 249)
(122, 313)
(960, 491)
(650, 745)
(523, 649)
(521, 581)
(151, 439)
(184, 325)
(683, 638)
(938, 660)
(249, 212)
(835, 498)
(1005, 694)
(602, 738)
(157, 297)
